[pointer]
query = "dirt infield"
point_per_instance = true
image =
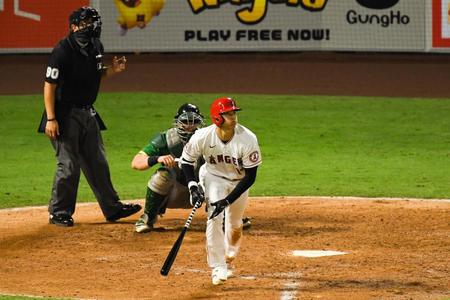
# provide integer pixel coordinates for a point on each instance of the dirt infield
(395, 250)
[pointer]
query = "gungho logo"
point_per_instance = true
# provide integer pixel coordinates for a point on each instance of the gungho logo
(384, 19)
(377, 4)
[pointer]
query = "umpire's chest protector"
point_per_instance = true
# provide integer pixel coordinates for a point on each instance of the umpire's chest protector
(84, 71)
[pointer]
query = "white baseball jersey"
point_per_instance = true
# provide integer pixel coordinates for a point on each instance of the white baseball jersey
(226, 160)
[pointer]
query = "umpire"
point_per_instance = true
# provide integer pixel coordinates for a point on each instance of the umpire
(72, 81)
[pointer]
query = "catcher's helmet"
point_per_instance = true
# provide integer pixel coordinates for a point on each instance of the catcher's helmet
(220, 106)
(89, 15)
(187, 120)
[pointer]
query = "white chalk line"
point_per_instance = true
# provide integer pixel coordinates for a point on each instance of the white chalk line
(290, 285)
(290, 291)
(281, 275)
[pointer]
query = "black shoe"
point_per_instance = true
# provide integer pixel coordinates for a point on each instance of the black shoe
(61, 220)
(246, 223)
(127, 210)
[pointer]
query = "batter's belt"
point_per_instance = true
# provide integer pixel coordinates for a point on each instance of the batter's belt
(229, 179)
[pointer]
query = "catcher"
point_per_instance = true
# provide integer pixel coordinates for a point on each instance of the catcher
(167, 188)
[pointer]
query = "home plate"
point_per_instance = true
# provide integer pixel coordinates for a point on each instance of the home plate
(316, 253)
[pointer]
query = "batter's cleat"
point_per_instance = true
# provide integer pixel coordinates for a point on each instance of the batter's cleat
(219, 275)
(230, 272)
(64, 220)
(143, 225)
(246, 223)
(126, 210)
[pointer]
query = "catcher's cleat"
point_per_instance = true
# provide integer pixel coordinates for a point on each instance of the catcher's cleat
(125, 211)
(246, 223)
(64, 220)
(143, 225)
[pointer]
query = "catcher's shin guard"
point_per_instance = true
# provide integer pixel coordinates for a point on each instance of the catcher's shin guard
(153, 203)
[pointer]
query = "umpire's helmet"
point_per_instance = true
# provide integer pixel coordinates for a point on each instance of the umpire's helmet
(187, 120)
(90, 16)
(220, 106)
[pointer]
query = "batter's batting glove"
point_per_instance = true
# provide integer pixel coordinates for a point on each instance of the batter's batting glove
(196, 193)
(219, 206)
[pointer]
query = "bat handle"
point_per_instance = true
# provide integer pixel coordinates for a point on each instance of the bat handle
(191, 216)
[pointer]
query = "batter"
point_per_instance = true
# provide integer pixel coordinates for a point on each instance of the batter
(232, 156)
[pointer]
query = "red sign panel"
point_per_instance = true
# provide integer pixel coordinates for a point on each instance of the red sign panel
(35, 24)
(441, 23)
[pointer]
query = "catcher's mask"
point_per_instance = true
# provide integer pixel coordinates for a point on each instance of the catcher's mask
(89, 23)
(221, 106)
(187, 120)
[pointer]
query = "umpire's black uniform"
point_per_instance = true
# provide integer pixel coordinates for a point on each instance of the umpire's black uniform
(77, 73)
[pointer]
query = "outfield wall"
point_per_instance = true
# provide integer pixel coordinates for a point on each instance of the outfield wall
(236, 25)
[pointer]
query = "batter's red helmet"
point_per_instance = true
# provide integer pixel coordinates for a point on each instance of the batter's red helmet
(220, 106)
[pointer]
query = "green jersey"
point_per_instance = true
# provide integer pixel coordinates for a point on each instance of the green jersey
(164, 143)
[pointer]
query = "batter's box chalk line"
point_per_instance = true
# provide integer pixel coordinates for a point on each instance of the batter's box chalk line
(317, 253)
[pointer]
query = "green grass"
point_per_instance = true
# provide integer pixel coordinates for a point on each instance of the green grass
(338, 146)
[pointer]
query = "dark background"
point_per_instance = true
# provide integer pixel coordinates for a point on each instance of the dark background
(301, 73)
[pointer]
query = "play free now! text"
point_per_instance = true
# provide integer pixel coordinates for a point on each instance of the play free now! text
(256, 35)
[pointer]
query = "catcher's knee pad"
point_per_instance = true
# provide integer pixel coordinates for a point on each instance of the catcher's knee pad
(161, 182)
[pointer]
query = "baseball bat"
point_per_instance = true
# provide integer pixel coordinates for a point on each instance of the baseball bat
(174, 251)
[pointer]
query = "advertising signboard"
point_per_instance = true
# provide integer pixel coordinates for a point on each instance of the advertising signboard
(31, 24)
(441, 23)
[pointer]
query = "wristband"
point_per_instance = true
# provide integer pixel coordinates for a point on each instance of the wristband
(191, 184)
(152, 160)
(53, 119)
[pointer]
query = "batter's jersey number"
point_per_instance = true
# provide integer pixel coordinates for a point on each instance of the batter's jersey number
(52, 73)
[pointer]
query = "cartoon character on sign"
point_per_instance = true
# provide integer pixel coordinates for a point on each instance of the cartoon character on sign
(136, 13)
